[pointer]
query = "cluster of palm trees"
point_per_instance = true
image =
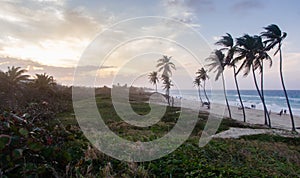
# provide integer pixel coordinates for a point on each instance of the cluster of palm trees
(164, 66)
(15, 86)
(248, 53)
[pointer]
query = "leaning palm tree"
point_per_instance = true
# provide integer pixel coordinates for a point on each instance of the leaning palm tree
(228, 43)
(263, 56)
(249, 50)
(202, 75)
(167, 83)
(153, 78)
(274, 37)
(165, 65)
(43, 81)
(197, 82)
(217, 63)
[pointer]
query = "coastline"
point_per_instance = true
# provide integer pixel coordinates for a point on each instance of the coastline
(253, 116)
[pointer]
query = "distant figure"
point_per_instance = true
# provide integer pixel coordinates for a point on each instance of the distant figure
(269, 112)
(172, 101)
(284, 111)
(253, 106)
(206, 104)
(280, 113)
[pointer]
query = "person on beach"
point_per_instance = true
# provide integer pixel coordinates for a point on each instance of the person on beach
(284, 111)
(280, 113)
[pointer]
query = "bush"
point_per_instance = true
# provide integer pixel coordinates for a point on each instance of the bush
(37, 148)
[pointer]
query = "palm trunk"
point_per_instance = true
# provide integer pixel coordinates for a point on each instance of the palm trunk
(168, 96)
(205, 93)
(262, 90)
(285, 93)
(239, 94)
(263, 102)
(225, 94)
(156, 87)
(199, 93)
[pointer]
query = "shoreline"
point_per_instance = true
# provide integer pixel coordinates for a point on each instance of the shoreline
(274, 102)
(253, 116)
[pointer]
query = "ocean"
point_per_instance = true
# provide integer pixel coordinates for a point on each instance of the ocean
(275, 99)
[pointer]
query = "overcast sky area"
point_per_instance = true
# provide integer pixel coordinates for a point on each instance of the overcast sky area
(52, 36)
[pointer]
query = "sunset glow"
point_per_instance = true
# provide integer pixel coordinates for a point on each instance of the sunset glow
(57, 32)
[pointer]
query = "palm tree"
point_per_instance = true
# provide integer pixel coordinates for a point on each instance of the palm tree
(43, 81)
(3, 88)
(165, 65)
(228, 43)
(218, 63)
(274, 37)
(167, 85)
(202, 75)
(249, 49)
(153, 78)
(262, 56)
(3, 80)
(15, 77)
(197, 83)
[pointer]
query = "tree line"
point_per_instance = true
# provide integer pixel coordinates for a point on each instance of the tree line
(19, 91)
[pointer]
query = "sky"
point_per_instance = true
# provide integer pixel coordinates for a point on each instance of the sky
(109, 41)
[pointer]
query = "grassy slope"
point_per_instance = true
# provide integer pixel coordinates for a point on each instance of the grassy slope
(250, 156)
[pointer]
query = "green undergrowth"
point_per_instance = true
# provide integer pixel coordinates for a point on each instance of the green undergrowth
(57, 148)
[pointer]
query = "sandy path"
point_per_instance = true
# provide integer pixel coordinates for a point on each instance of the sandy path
(238, 132)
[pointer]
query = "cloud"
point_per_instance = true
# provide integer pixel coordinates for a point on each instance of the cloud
(216, 38)
(53, 2)
(201, 5)
(179, 10)
(38, 27)
(246, 5)
(187, 11)
(63, 75)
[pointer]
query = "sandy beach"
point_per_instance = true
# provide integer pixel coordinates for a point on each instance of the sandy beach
(253, 116)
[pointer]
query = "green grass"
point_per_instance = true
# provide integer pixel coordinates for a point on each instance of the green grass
(250, 156)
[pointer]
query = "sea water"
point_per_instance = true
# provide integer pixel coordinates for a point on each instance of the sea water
(275, 99)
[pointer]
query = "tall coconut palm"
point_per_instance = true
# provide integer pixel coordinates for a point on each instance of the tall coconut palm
(165, 65)
(167, 84)
(202, 75)
(197, 82)
(249, 50)
(217, 63)
(43, 81)
(263, 56)
(228, 43)
(153, 78)
(274, 37)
